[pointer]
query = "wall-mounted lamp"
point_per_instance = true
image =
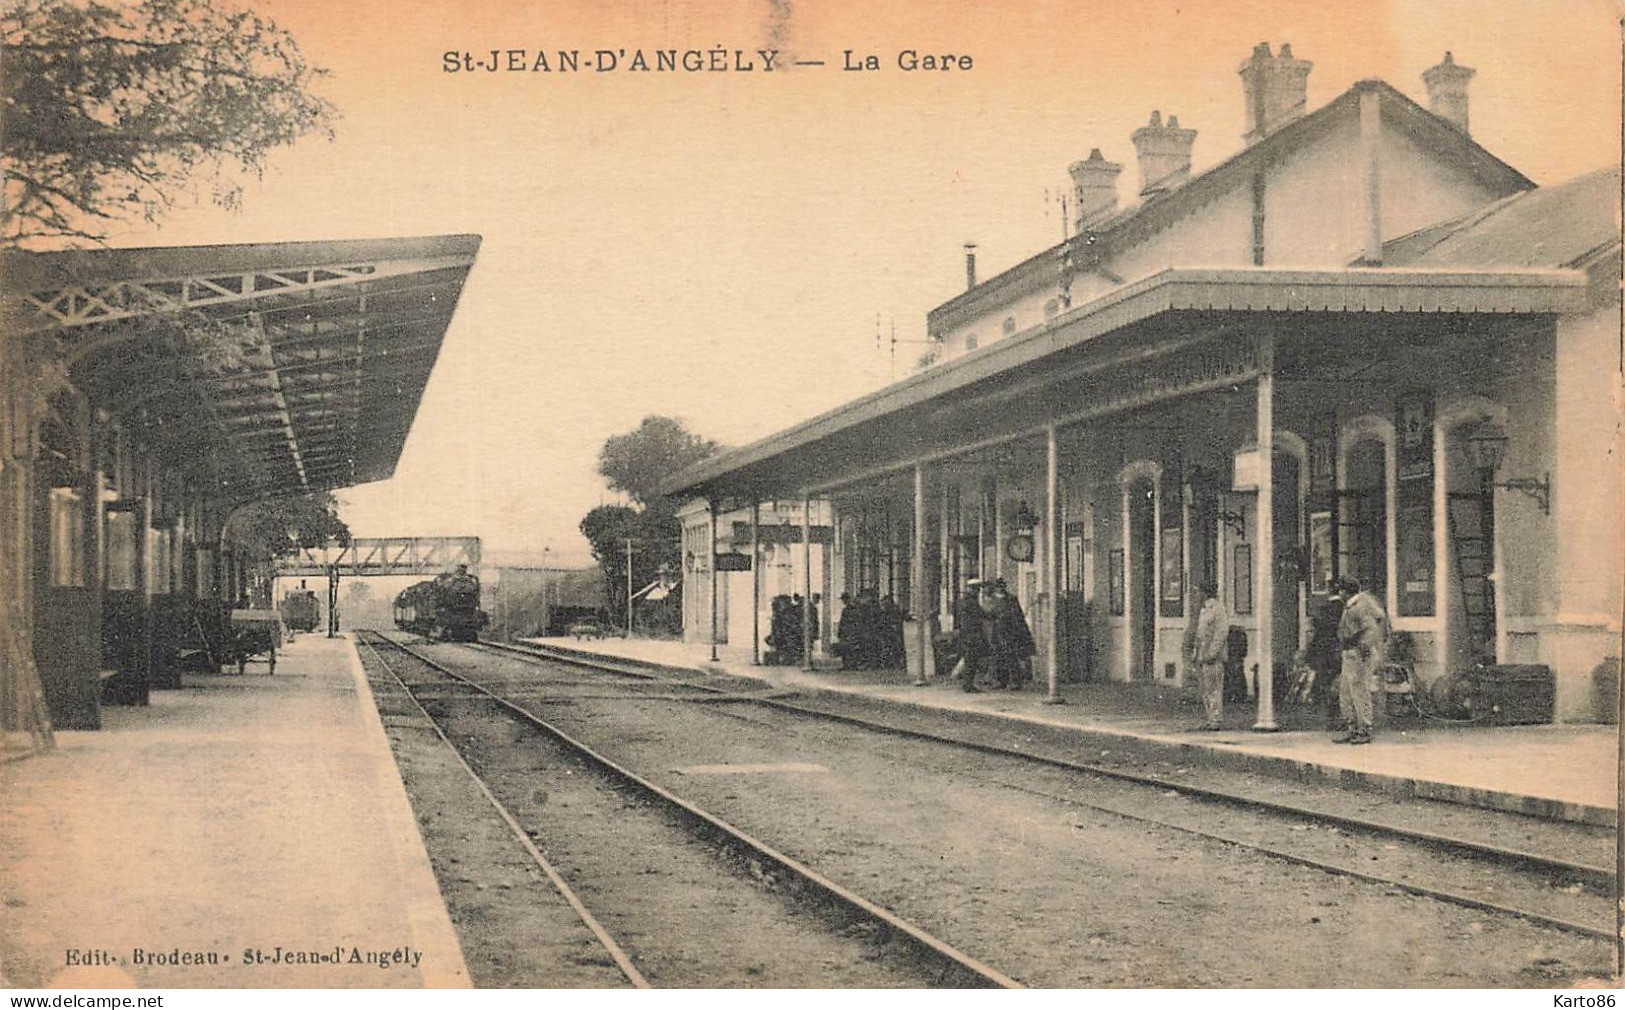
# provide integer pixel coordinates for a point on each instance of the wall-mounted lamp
(1235, 522)
(1488, 449)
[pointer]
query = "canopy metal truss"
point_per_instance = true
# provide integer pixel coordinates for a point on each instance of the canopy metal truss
(270, 369)
(385, 556)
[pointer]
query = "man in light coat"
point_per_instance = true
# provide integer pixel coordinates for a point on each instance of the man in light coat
(1362, 633)
(1207, 654)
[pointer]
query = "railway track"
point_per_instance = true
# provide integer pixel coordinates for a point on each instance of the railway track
(922, 958)
(1556, 872)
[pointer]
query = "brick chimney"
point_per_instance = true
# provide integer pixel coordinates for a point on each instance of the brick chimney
(1447, 90)
(1276, 89)
(1094, 185)
(1165, 154)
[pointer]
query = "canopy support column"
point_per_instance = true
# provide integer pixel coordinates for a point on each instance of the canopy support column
(1052, 566)
(922, 634)
(806, 582)
(715, 575)
(755, 582)
(1264, 566)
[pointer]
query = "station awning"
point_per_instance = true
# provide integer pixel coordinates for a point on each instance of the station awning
(1030, 378)
(272, 368)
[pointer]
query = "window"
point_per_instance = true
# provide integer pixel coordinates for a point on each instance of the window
(203, 559)
(122, 545)
(67, 537)
(1052, 308)
(970, 342)
(1009, 325)
(162, 557)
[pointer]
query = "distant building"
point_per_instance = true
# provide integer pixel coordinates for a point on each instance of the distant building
(777, 569)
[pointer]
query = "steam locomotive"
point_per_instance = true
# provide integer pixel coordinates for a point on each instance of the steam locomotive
(446, 607)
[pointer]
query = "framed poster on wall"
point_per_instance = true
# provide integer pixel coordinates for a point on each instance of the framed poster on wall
(1241, 579)
(1115, 577)
(1173, 572)
(1320, 552)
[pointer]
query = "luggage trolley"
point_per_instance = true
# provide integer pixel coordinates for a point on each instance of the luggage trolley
(255, 632)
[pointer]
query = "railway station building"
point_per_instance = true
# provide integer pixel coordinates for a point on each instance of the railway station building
(1362, 346)
(146, 396)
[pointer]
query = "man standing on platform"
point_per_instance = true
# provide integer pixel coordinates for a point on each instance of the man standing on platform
(1207, 654)
(1012, 639)
(1361, 632)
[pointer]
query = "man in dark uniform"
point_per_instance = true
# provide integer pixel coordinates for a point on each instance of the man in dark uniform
(1325, 655)
(1012, 640)
(972, 626)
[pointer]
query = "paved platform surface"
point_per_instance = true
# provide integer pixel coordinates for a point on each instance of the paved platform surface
(234, 813)
(1567, 772)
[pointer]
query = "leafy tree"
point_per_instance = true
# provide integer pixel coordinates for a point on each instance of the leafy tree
(274, 527)
(638, 462)
(608, 528)
(112, 109)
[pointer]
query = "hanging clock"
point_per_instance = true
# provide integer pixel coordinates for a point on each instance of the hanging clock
(1019, 547)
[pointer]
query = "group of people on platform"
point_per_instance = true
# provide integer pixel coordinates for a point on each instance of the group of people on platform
(869, 635)
(1350, 631)
(1339, 668)
(992, 638)
(786, 643)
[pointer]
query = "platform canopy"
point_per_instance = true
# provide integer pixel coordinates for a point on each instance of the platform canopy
(267, 369)
(1177, 332)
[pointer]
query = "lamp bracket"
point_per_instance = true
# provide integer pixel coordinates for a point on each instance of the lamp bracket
(1540, 489)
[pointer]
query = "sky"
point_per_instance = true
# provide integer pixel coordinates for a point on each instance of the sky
(724, 247)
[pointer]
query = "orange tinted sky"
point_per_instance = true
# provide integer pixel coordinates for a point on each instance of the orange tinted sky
(717, 246)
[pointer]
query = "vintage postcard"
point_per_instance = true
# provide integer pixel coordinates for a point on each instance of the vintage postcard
(810, 494)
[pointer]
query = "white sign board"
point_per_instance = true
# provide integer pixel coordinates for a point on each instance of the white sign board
(1248, 470)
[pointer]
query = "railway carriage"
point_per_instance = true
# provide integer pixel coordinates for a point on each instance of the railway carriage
(299, 610)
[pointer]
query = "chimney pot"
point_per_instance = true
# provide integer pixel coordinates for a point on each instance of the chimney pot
(1165, 154)
(1447, 90)
(1276, 89)
(1094, 187)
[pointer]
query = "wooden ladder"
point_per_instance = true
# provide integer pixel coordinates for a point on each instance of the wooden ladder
(1474, 567)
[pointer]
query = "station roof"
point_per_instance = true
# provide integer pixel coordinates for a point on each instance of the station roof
(998, 389)
(1567, 225)
(1134, 223)
(271, 368)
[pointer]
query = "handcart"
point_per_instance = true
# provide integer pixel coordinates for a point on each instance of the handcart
(255, 633)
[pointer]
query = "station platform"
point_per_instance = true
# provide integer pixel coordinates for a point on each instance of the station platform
(1561, 772)
(241, 832)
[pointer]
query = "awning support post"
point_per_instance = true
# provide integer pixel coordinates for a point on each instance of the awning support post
(917, 580)
(755, 583)
(806, 582)
(1052, 565)
(1264, 571)
(711, 504)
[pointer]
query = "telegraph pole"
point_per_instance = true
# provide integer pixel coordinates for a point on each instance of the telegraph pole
(547, 617)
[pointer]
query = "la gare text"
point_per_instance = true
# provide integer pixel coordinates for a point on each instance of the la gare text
(692, 61)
